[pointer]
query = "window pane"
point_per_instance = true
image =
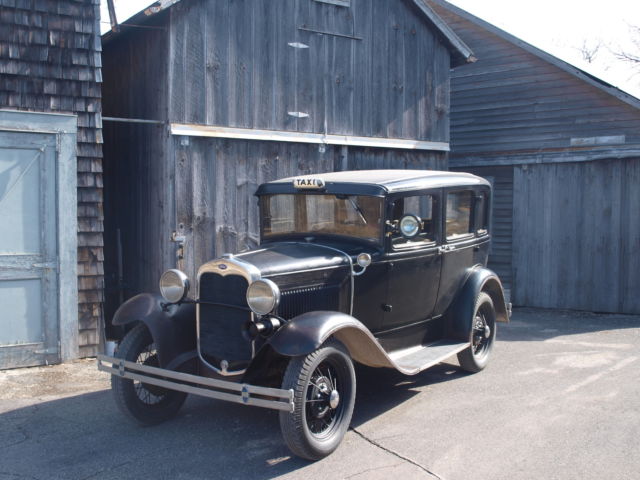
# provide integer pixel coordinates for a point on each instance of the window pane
(420, 206)
(458, 214)
(482, 214)
(348, 215)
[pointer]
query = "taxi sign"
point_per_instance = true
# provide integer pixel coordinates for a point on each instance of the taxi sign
(310, 183)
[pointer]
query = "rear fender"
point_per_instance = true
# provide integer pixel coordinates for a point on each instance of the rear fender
(173, 331)
(460, 313)
(305, 333)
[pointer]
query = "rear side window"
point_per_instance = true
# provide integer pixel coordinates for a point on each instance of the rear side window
(482, 214)
(421, 206)
(459, 214)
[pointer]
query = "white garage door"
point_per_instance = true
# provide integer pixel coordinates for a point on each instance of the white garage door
(29, 330)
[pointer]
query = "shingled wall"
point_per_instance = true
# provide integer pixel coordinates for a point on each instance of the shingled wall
(50, 61)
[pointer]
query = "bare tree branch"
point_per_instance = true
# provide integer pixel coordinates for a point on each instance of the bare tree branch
(626, 55)
(589, 51)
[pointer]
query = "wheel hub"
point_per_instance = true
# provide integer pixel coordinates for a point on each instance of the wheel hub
(322, 396)
(334, 399)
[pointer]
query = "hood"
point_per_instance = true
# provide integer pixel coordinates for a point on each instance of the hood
(285, 257)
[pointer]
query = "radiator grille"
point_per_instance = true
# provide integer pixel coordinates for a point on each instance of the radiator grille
(222, 328)
(308, 299)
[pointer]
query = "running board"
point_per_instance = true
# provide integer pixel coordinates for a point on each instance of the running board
(416, 359)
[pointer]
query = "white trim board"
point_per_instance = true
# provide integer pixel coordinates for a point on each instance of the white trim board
(304, 137)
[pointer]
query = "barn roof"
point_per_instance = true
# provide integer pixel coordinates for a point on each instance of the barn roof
(561, 64)
(460, 52)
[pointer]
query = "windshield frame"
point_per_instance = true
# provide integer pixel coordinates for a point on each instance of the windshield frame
(379, 239)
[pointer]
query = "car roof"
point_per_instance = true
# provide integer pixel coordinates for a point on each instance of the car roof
(376, 182)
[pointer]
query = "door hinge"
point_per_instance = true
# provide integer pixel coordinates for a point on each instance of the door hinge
(46, 265)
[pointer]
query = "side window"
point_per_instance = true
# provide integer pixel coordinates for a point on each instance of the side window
(423, 207)
(459, 214)
(482, 214)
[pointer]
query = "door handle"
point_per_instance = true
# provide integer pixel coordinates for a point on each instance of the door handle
(446, 248)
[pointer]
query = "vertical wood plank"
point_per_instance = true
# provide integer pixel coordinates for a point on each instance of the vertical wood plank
(217, 62)
(241, 41)
(362, 54)
(380, 91)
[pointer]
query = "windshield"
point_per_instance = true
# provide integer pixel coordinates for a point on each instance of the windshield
(348, 215)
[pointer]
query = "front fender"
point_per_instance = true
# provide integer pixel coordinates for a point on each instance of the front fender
(460, 313)
(305, 333)
(173, 330)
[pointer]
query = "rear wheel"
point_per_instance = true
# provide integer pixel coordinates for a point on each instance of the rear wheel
(143, 403)
(482, 336)
(324, 386)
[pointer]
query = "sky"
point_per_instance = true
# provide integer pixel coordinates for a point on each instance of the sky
(560, 27)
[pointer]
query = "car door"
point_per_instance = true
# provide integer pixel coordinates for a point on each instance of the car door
(460, 246)
(413, 266)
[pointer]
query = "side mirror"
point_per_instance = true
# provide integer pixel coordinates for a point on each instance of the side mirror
(409, 226)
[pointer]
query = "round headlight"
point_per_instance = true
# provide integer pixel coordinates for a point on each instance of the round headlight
(174, 285)
(263, 296)
(409, 226)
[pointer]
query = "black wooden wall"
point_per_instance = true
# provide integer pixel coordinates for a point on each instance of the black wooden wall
(381, 72)
(576, 235)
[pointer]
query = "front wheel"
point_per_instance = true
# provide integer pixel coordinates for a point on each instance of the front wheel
(482, 336)
(146, 404)
(324, 385)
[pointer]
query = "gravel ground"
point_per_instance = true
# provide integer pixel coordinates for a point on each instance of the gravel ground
(559, 400)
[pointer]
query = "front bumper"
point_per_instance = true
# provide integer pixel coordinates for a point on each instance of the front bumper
(243, 393)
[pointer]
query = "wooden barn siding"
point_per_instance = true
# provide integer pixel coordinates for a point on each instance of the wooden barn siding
(140, 203)
(512, 100)
(216, 180)
(576, 236)
(231, 65)
(50, 62)
(138, 178)
(501, 221)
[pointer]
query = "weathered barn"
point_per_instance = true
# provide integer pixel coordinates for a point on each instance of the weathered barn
(206, 100)
(563, 151)
(50, 181)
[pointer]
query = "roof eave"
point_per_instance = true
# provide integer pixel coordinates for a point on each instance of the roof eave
(461, 54)
(567, 67)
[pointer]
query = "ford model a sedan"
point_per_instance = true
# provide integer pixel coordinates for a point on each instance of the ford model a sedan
(386, 268)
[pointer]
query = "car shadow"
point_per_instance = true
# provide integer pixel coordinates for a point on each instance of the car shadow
(86, 436)
(382, 389)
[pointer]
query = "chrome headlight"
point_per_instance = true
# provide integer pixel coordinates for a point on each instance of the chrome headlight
(263, 296)
(174, 285)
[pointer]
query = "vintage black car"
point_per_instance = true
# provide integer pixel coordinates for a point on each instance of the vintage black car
(386, 268)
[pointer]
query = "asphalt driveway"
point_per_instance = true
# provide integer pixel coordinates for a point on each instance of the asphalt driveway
(559, 400)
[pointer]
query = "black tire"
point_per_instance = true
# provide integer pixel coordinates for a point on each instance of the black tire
(143, 403)
(476, 357)
(316, 427)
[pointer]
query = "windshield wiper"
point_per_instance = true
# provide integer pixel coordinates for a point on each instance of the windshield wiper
(358, 209)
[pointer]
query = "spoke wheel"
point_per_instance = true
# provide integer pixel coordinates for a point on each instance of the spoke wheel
(482, 336)
(141, 402)
(324, 394)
